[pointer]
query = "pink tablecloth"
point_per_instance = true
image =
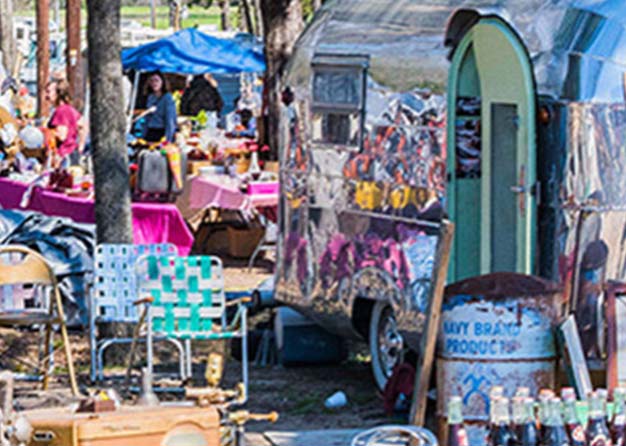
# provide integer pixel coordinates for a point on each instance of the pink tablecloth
(211, 193)
(152, 223)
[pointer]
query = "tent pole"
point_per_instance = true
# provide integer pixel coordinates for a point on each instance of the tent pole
(133, 99)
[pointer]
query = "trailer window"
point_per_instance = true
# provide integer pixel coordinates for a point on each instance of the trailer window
(338, 92)
(336, 128)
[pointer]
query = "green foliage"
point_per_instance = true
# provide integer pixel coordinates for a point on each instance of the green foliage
(307, 9)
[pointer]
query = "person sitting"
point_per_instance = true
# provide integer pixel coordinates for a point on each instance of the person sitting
(161, 123)
(202, 94)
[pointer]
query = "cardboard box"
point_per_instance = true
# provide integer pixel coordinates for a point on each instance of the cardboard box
(271, 166)
(193, 166)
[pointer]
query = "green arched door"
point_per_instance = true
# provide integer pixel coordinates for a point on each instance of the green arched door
(492, 153)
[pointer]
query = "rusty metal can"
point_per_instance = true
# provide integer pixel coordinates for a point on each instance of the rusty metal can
(496, 330)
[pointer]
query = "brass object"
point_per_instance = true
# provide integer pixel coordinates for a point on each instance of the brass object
(214, 369)
(241, 417)
(209, 396)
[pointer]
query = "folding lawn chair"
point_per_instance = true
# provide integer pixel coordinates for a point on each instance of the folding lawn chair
(187, 302)
(114, 294)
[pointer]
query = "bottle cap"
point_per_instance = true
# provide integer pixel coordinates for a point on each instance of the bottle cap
(568, 393)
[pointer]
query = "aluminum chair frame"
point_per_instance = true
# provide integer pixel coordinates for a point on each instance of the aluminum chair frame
(119, 279)
(267, 243)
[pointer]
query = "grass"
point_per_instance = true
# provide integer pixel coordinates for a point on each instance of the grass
(196, 16)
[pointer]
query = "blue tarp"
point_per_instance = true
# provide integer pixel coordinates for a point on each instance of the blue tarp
(191, 52)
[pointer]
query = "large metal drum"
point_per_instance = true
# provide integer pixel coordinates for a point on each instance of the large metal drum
(495, 330)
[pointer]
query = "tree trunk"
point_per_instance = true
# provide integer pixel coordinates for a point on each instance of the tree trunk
(225, 14)
(175, 7)
(7, 40)
(73, 53)
(43, 55)
(258, 18)
(317, 4)
(153, 14)
(245, 5)
(108, 139)
(57, 13)
(282, 21)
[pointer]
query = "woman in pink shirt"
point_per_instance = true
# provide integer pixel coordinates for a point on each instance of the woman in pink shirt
(66, 123)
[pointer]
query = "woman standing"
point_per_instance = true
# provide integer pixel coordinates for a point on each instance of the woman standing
(65, 123)
(161, 123)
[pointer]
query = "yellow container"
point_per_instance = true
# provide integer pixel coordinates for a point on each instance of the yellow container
(368, 195)
(401, 196)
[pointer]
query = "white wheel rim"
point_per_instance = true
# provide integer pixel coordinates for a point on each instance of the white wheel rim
(390, 343)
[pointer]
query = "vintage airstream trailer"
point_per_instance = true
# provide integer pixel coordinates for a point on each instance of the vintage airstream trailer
(508, 116)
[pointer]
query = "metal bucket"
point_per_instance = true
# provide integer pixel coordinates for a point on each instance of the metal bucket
(495, 330)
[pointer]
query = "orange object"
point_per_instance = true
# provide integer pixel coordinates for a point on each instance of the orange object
(137, 426)
(174, 159)
(50, 140)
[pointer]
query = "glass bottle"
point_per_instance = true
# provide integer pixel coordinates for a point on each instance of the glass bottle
(554, 433)
(575, 430)
(568, 393)
(500, 433)
(254, 170)
(597, 430)
(524, 425)
(618, 421)
(494, 393)
(542, 412)
(457, 435)
(604, 396)
(523, 392)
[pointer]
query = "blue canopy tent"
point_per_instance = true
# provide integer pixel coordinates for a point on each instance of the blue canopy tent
(190, 51)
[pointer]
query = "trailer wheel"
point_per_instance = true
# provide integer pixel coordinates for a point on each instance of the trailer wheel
(386, 343)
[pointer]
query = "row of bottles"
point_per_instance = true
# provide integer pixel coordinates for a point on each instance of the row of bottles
(552, 421)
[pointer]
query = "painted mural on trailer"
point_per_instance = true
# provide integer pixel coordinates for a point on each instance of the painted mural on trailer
(362, 208)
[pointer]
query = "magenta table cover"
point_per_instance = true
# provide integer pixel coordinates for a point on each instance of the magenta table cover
(152, 222)
(211, 193)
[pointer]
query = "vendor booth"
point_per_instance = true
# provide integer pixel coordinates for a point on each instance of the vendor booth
(223, 167)
(190, 52)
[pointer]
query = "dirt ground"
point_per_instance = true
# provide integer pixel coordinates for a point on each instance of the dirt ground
(298, 394)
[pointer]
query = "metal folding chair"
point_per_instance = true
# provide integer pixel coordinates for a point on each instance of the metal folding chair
(187, 302)
(114, 294)
(41, 306)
